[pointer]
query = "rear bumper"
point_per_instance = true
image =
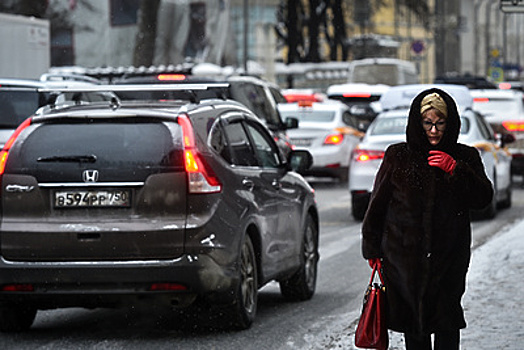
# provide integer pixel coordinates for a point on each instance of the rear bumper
(97, 284)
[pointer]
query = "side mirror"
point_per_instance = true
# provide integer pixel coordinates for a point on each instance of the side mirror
(291, 123)
(300, 160)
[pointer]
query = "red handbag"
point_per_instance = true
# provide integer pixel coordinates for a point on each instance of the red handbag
(372, 331)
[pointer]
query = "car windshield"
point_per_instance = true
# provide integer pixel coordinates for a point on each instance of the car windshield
(306, 115)
(16, 106)
(397, 126)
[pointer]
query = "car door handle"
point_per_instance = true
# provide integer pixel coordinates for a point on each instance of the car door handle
(248, 184)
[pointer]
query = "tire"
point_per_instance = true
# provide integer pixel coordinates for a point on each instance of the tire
(243, 310)
(506, 203)
(16, 318)
(301, 286)
(359, 205)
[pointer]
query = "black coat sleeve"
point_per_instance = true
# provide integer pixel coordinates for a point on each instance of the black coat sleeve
(469, 179)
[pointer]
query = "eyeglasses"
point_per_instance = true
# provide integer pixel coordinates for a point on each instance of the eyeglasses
(440, 125)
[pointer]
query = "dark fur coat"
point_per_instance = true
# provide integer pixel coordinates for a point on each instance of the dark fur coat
(418, 222)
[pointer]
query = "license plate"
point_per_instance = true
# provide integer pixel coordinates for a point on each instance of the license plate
(98, 198)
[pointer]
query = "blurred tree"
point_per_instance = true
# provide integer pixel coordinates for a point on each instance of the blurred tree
(290, 18)
(316, 11)
(298, 19)
(144, 51)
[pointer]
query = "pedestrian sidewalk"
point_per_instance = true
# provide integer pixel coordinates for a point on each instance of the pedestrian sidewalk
(493, 303)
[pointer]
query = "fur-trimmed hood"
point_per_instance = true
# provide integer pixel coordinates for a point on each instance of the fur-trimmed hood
(416, 135)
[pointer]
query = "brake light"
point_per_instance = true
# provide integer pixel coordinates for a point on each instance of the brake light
(201, 179)
(357, 94)
(362, 155)
(481, 99)
(166, 287)
(171, 77)
(334, 139)
(18, 288)
(513, 125)
(5, 151)
(504, 86)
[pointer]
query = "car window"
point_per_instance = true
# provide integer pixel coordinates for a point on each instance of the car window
(16, 106)
(485, 130)
(308, 115)
(132, 145)
(277, 95)
(266, 151)
(389, 126)
(395, 126)
(242, 152)
(497, 106)
(257, 100)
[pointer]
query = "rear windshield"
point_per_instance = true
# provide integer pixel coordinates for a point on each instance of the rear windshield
(136, 145)
(397, 126)
(498, 107)
(16, 106)
(306, 115)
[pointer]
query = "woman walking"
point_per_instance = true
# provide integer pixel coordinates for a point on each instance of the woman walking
(417, 225)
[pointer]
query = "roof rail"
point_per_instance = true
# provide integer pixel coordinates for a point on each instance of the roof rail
(136, 87)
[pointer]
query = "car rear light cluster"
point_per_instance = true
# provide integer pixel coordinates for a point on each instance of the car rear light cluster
(334, 139)
(362, 155)
(201, 179)
(513, 125)
(5, 151)
(18, 288)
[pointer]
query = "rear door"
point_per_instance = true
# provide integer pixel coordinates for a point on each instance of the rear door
(95, 189)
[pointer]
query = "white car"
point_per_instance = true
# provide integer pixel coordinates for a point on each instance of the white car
(327, 131)
(504, 110)
(390, 127)
(361, 98)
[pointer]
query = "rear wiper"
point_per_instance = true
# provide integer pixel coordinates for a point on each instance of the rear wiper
(69, 159)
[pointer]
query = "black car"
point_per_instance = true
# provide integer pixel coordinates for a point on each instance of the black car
(260, 96)
(110, 204)
(20, 98)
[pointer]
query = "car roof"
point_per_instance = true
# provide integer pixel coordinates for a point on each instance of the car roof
(401, 96)
(500, 93)
(377, 89)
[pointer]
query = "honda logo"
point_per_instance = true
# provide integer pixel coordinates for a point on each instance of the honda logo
(90, 175)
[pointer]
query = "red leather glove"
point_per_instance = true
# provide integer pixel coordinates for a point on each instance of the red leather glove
(374, 261)
(442, 160)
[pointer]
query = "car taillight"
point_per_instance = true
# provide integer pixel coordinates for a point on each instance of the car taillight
(155, 287)
(334, 139)
(513, 125)
(200, 178)
(481, 99)
(5, 151)
(362, 155)
(171, 77)
(18, 288)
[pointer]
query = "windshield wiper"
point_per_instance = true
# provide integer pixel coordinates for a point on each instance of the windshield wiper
(69, 159)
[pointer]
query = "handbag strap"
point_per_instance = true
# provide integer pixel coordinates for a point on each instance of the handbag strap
(376, 269)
